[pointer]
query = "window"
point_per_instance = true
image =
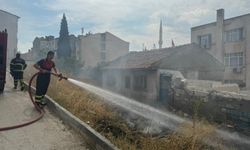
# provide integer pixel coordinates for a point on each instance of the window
(205, 41)
(111, 81)
(140, 82)
(127, 82)
(233, 35)
(103, 56)
(103, 42)
(233, 59)
(103, 37)
(103, 46)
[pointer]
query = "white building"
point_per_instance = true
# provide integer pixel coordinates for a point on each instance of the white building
(229, 41)
(10, 22)
(42, 45)
(100, 47)
(90, 49)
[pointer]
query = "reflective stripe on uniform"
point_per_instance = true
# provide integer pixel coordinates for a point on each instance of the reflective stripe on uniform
(21, 80)
(38, 97)
(17, 65)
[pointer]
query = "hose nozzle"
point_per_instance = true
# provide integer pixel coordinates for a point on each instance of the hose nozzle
(60, 76)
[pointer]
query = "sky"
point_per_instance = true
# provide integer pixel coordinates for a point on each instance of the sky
(135, 21)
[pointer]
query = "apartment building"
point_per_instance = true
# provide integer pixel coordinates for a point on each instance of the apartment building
(229, 41)
(100, 47)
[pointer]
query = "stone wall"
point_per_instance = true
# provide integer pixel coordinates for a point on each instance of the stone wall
(220, 107)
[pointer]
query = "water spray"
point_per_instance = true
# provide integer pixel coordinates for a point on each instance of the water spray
(39, 109)
(163, 118)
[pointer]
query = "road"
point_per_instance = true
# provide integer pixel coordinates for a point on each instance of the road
(49, 133)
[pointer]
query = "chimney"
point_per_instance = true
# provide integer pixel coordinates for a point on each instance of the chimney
(220, 15)
(219, 35)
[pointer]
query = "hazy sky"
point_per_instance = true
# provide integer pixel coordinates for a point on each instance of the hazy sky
(135, 21)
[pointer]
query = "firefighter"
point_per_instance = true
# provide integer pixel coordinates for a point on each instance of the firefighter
(17, 66)
(43, 79)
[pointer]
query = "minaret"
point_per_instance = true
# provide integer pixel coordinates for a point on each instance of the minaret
(160, 36)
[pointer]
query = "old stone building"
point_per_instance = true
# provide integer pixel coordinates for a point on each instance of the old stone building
(10, 22)
(142, 75)
(229, 41)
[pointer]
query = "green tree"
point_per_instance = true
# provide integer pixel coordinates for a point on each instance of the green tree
(64, 50)
(65, 61)
(69, 65)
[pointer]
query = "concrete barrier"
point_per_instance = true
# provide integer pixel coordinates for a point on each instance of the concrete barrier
(93, 138)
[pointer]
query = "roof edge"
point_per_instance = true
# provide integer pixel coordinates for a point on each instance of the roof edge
(213, 23)
(9, 13)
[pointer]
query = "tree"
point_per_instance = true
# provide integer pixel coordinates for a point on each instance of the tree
(64, 50)
(65, 62)
(68, 65)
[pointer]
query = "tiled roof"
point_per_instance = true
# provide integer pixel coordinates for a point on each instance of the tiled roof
(153, 58)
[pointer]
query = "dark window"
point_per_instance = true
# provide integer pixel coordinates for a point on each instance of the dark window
(103, 56)
(103, 46)
(103, 37)
(140, 82)
(127, 82)
(111, 81)
(103, 42)
(205, 41)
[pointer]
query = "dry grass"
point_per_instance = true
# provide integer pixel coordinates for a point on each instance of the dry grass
(92, 110)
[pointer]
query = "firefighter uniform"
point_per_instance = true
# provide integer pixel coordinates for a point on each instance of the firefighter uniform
(43, 80)
(17, 67)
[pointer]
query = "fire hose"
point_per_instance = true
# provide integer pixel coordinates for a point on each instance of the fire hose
(39, 109)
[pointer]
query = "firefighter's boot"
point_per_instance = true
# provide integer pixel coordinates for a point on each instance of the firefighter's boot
(38, 100)
(22, 85)
(15, 84)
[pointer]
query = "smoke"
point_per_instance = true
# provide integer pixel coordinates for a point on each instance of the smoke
(156, 119)
(165, 119)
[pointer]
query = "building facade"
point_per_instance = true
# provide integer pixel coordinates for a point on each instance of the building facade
(100, 47)
(42, 45)
(10, 22)
(90, 49)
(229, 41)
(144, 75)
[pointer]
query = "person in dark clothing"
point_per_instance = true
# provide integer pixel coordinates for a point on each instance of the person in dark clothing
(17, 66)
(43, 79)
